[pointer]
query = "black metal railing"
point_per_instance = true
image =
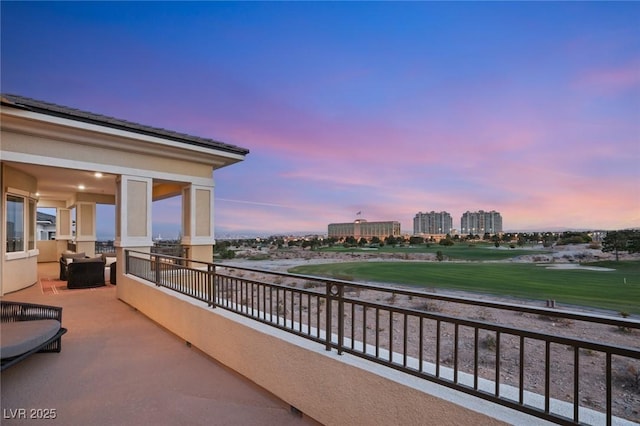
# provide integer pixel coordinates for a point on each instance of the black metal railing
(175, 273)
(169, 248)
(160, 247)
(104, 247)
(478, 357)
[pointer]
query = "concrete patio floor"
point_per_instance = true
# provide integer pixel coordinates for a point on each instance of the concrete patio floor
(117, 367)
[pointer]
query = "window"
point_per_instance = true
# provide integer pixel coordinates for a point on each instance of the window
(21, 223)
(15, 223)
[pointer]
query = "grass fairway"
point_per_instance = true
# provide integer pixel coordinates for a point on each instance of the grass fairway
(598, 289)
(479, 251)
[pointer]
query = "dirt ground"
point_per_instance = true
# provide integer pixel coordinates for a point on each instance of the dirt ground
(626, 372)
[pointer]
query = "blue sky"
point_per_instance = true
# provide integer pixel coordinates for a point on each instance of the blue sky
(389, 108)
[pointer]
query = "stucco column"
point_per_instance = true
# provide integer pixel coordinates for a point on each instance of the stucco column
(64, 227)
(86, 228)
(133, 211)
(133, 217)
(197, 222)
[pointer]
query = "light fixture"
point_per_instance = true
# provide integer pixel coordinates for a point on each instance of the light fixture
(81, 187)
(98, 174)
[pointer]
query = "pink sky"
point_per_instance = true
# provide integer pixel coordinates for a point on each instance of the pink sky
(530, 109)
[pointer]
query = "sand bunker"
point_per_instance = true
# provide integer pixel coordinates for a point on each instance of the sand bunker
(576, 266)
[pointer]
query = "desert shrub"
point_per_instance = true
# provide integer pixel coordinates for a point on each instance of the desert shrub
(431, 307)
(353, 290)
(489, 342)
(259, 257)
(561, 322)
(622, 328)
(634, 375)
(483, 314)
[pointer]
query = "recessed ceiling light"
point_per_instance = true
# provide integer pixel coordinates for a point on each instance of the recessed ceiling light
(37, 194)
(98, 174)
(81, 187)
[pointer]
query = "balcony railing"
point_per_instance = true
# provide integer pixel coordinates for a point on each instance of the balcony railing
(419, 342)
(104, 247)
(161, 247)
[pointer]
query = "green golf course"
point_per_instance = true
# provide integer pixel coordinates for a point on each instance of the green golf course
(479, 251)
(617, 289)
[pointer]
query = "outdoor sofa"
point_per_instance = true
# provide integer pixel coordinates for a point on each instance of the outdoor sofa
(65, 260)
(78, 275)
(86, 273)
(27, 328)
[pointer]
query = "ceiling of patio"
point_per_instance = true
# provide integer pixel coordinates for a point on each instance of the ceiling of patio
(55, 183)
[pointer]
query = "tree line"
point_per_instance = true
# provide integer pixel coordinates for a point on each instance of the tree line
(615, 241)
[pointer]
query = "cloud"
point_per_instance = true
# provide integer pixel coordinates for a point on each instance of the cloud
(610, 80)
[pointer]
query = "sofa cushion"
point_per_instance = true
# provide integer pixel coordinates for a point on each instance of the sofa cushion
(80, 255)
(89, 260)
(19, 337)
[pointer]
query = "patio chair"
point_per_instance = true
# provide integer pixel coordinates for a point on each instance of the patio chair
(27, 328)
(65, 260)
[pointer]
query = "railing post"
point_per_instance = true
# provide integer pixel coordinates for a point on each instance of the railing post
(211, 285)
(335, 292)
(327, 333)
(340, 318)
(156, 269)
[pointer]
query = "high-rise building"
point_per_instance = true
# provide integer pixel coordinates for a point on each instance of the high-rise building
(481, 222)
(363, 229)
(432, 223)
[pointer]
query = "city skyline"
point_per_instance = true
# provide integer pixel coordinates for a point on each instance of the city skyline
(531, 109)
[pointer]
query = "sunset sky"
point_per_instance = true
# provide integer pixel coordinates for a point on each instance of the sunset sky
(384, 108)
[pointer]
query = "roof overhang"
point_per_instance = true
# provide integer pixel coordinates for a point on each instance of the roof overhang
(59, 177)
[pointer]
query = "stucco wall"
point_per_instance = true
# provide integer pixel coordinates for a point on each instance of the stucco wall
(332, 389)
(21, 272)
(47, 251)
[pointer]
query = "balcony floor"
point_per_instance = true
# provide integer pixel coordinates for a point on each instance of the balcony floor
(119, 367)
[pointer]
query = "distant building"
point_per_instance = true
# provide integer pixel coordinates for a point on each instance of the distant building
(481, 222)
(432, 223)
(363, 229)
(45, 226)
